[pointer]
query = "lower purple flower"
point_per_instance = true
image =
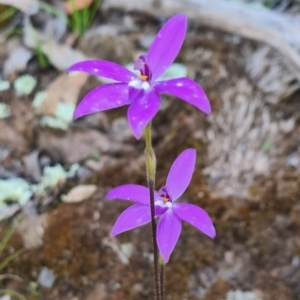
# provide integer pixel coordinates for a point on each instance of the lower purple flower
(167, 209)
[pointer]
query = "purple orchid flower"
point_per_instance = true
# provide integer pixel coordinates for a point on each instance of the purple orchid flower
(142, 93)
(167, 209)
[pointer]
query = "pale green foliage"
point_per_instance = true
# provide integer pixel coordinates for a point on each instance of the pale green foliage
(20, 191)
(39, 99)
(65, 111)
(52, 176)
(4, 85)
(5, 110)
(53, 122)
(63, 115)
(176, 70)
(24, 85)
(14, 189)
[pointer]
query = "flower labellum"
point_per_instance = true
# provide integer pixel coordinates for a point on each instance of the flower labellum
(169, 212)
(142, 93)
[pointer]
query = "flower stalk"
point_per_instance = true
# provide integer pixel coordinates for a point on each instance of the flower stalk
(162, 278)
(151, 168)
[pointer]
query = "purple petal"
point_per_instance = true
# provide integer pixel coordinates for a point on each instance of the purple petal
(181, 173)
(103, 97)
(168, 232)
(134, 216)
(166, 45)
(187, 90)
(132, 192)
(105, 69)
(142, 111)
(195, 216)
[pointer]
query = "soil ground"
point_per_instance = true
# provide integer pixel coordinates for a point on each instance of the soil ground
(257, 247)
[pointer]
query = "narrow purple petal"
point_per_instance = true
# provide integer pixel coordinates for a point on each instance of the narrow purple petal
(168, 232)
(101, 98)
(131, 192)
(181, 173)
(134, 216)
(105, 69)
(142, 111)
(166, 45)
(195, 216)
(187, 90)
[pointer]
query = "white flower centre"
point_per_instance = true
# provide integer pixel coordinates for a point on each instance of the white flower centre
(140, 85)
(163, 204)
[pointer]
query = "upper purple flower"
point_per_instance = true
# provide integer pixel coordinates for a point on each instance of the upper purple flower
(142, 93)
(170, 212)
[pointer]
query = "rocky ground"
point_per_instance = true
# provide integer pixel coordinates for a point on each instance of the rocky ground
(247, 175)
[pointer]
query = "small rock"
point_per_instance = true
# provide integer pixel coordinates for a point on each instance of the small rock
(240, 295)
(17, 61)
(287, 126)
(61, 96)
(281, 222)
(229, 257)
(99, 292)
(80, 193)
(261, 165)
(95, 166)
(96, 215)
(32, 230)
(46, 278)
(83, 173)
(296, 261)
(127, 249)
(8, 211)
(121, 129)
(138, 287)
(293, 160)
(123, 251)
(76, 145)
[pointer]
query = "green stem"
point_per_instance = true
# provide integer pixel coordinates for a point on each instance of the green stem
(151, 168)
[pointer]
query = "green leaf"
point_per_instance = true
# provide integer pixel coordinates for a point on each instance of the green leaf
(6, 238)
(8, 259)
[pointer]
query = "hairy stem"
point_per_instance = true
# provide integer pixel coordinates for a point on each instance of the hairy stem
(151, 168)
(162, 279)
